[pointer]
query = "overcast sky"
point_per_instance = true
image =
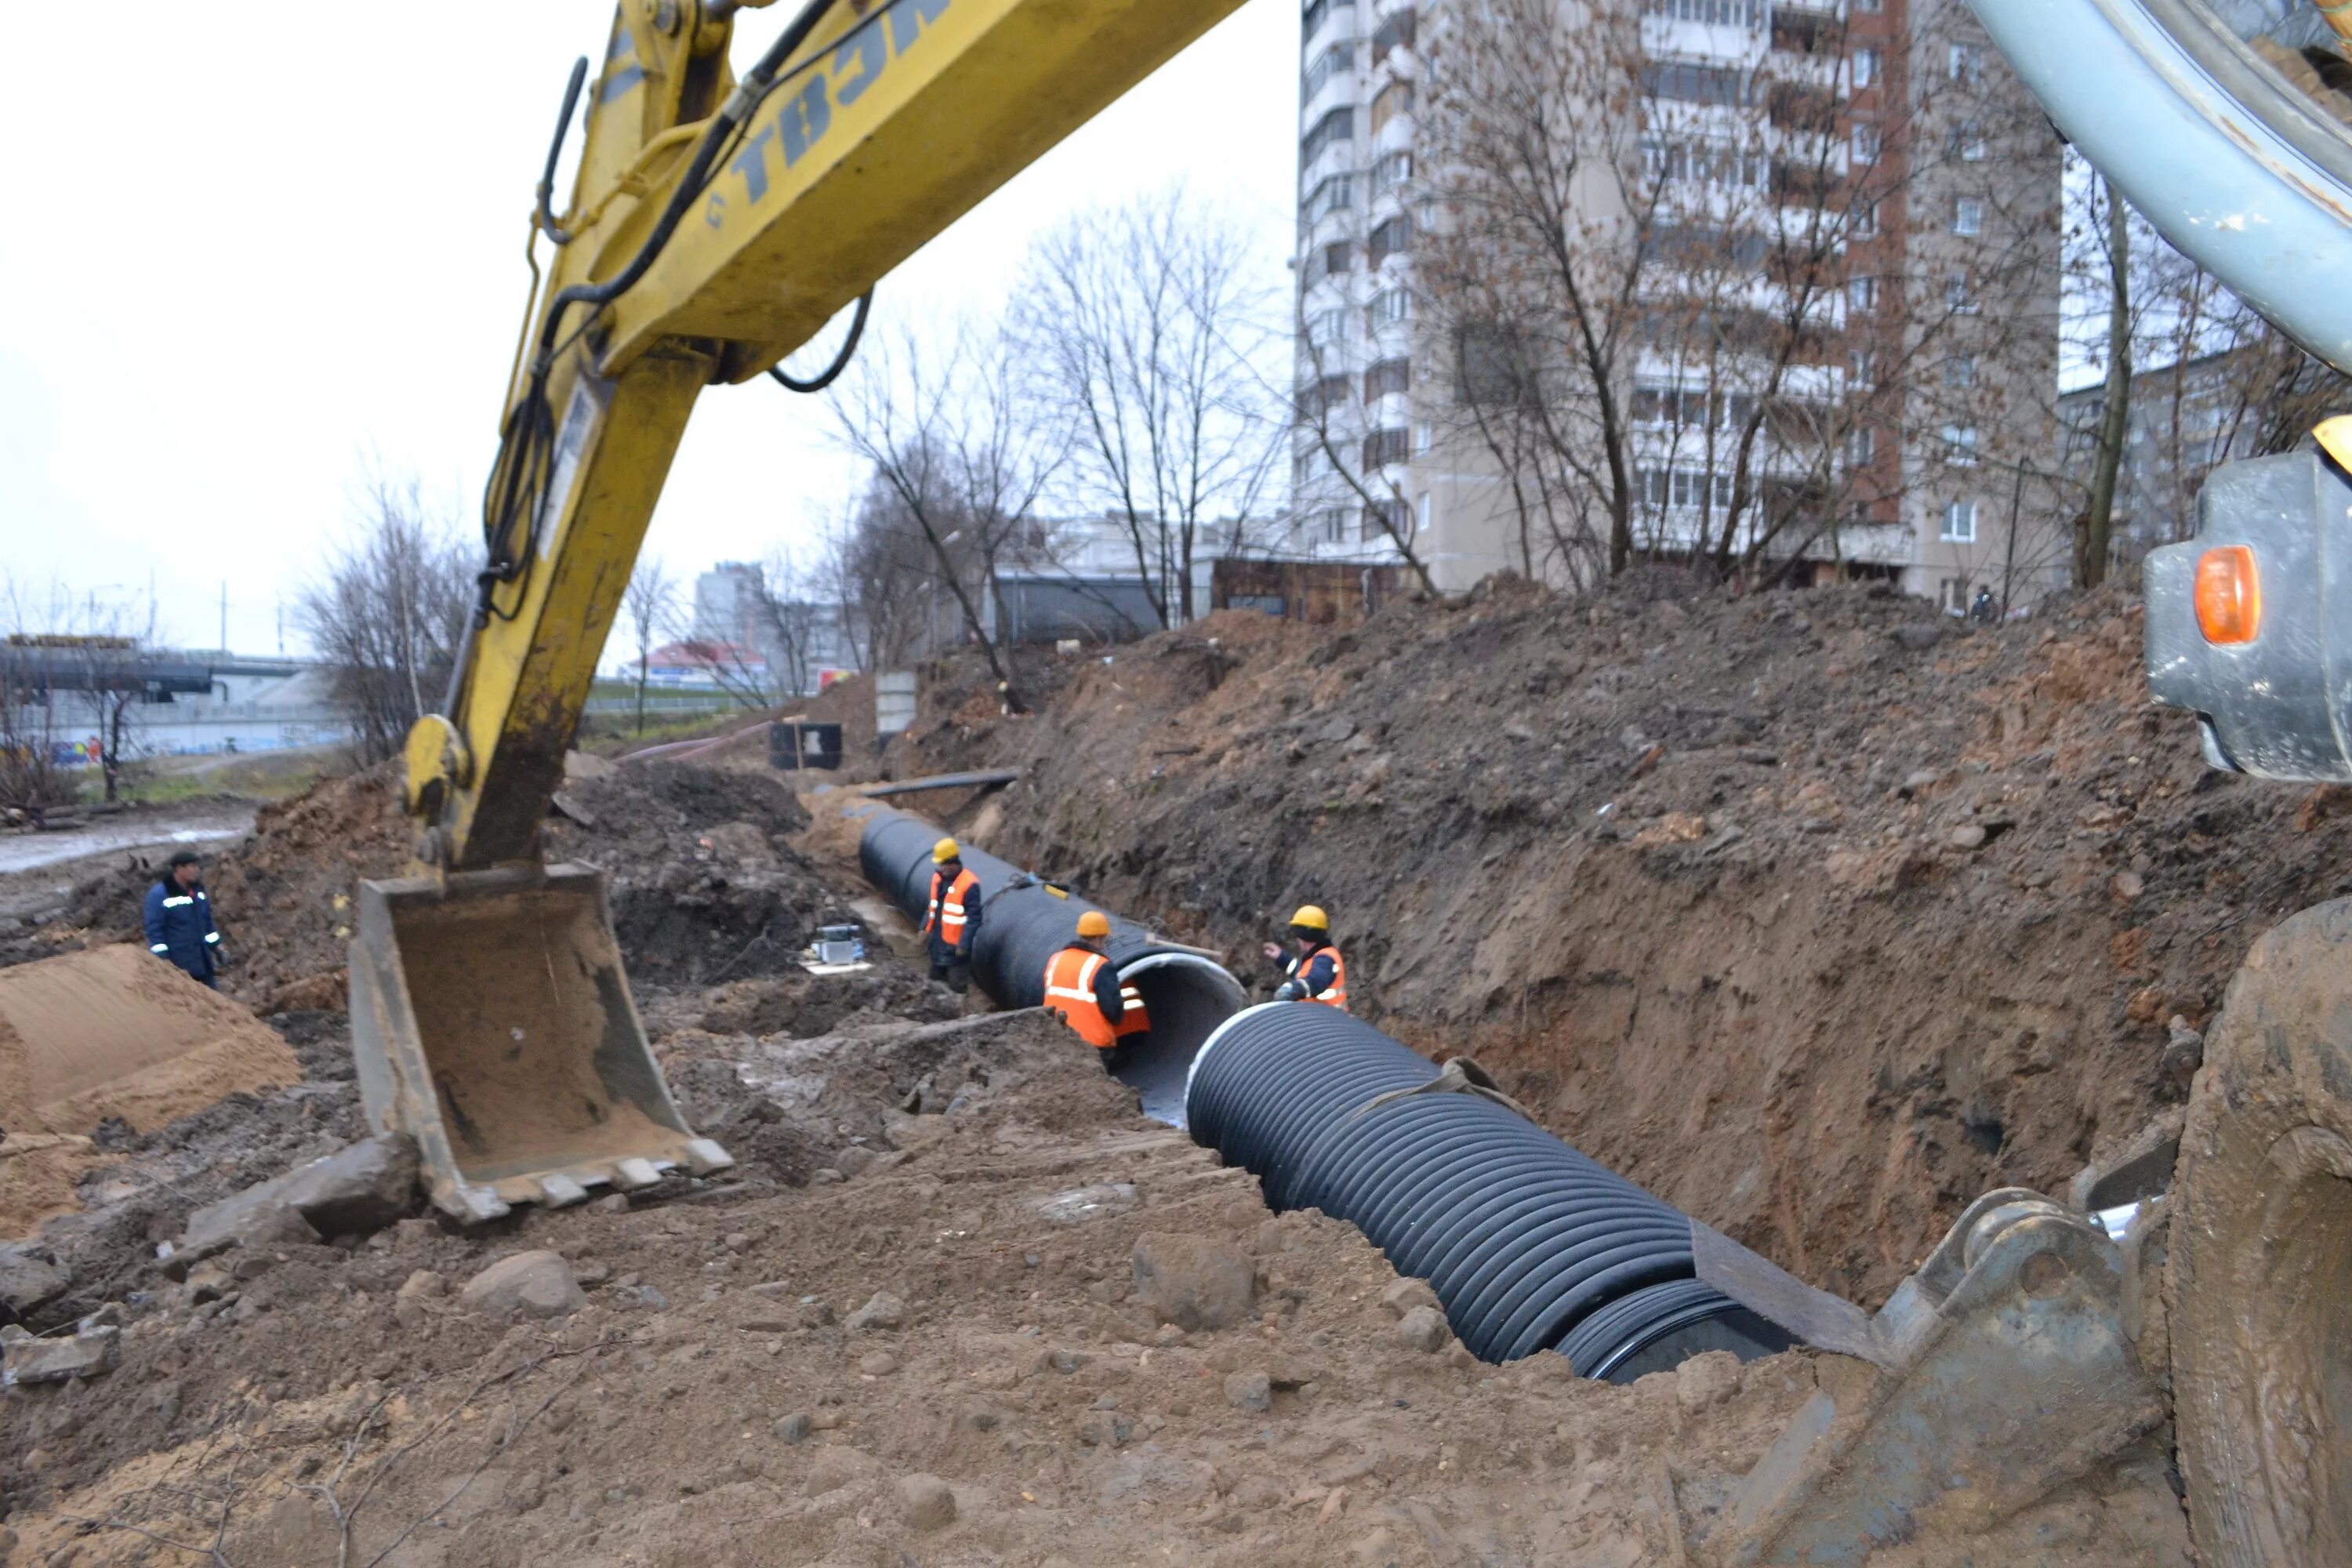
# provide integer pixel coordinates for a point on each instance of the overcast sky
(227, 306)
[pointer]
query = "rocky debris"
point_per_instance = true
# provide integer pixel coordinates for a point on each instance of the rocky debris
(1408, 1293)
(1424, 1328)
(882, 1311)
(1707, 1380)
(527, 1284)
(30, 1277)
(1194, 1282)
(255, 1219)
(926, 1503)
(1249, 1390)
(91, 1351)
(355, 1192)
(796, 1428)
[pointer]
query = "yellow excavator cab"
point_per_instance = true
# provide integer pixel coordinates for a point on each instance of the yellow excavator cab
(492, 1021)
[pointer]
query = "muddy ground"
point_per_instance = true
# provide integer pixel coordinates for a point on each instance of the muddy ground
(1822, 1006)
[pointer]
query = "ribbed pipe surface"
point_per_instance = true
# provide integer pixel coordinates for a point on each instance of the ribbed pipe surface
(1024, 924)
(1528, 1245)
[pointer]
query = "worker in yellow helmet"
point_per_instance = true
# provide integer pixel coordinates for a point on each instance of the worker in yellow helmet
(1316, 972)
(1083, 989)
(952, 924)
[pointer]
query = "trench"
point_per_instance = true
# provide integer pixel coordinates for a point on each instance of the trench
(1528, 1245)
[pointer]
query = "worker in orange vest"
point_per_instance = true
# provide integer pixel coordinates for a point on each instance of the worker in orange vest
(952, 923)
(1318, 973)
(1083, 989)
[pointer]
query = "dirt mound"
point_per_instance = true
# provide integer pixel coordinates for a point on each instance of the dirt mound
(38, 1172)
(706, 886)
(115, 1034)
(1817, 913)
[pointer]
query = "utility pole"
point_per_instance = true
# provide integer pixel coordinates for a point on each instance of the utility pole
(223, 642)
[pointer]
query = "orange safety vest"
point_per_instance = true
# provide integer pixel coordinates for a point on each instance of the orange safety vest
(947, 915)
(1070, 994)
(1133, 1020)
(1336, 996)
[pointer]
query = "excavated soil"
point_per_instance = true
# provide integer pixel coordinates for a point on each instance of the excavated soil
(732, 1393)
(113, 1033)
(1818, 914)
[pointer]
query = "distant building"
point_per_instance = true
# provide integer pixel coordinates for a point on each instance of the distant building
(180, 702)
(2185, 420)
(792, 642)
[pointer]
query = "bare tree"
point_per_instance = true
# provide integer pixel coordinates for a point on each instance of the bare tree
(647, 603)
(390, 615)
(2115, 228)
(1689, 308)
(1146, 331)
(953, 442)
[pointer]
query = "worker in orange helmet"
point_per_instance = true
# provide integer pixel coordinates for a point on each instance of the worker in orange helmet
(952, 923)
(1317, 973)
(1083, 989)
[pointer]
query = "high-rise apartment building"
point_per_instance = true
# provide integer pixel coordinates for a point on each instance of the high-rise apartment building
(1806, 304)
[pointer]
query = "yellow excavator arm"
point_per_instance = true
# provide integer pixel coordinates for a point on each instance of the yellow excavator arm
(716, 223)
(721, 222)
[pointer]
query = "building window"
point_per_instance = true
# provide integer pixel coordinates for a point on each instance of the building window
(1865, 145)
(1331, 195)
(1311, 464)
(1953, 596)
(1389, 516)
(1862, 295)
(1327, 329)
(1959, 294)
(1960, 371)
(1714, 13)
(1325, 260)
(1388, 377)
(1966, 142)
(1959, 522)
(1966, 64)
(1392, 236)
(1383, 448)
(1389, 306)
(1395, 32)
(1313, 15)
(1338, 126)
(1862, 365)
(1421, 437)
(1865, 220)
(1865, 67)
(1330, 63)
(1423, 525)
(1393, 170)
(1683, 81)
(1968, 216)
(1861, 447)
(1390, 101)
(1960, 446)
(1325, 393)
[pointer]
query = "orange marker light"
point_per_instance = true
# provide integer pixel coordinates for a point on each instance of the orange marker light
(2228, 594)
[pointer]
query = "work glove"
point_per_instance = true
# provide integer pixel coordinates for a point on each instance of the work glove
(1286, 992)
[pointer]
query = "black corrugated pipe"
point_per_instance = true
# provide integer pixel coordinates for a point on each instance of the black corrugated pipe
(1528, 1245)
(1025, 921)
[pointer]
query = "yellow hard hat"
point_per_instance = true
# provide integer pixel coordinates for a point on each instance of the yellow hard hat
(945, 850)
(1094, 922)
(1312, 916)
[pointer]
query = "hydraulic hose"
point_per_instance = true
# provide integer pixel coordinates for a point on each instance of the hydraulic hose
(1025, 920)
(1528, 1245)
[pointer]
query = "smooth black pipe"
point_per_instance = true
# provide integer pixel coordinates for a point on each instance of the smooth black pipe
(1025, 920)
(1528, 1245)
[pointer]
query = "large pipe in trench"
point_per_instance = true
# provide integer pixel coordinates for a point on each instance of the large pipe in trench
(1528, 1245)
(1024, 921)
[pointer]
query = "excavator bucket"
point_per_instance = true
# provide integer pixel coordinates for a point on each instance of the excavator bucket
(492, 1022)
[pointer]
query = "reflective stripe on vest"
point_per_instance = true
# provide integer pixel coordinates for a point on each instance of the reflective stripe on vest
(174, 902)
(947, 915)
(1070, 994)
(1336, 993)
(1133, 1019)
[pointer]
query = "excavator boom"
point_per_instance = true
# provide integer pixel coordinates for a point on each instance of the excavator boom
(716, 222)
